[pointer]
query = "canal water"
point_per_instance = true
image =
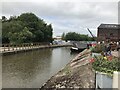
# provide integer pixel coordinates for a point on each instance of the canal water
(32, 69)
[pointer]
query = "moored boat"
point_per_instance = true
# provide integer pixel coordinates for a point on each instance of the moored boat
(78, 47)
(74, 49)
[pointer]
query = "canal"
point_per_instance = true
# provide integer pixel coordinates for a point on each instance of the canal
(32, 69)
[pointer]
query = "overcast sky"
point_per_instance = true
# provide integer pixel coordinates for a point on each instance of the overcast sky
(67, 16)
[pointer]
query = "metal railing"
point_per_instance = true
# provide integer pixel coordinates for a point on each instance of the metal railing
(24, 46)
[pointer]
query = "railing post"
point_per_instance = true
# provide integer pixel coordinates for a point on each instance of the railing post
(8, 47)
(39, 44)
(13, 47)
(27, 45)
(16, 46)
(4, 47)
(24, 46)
(21, 47)
(30, 45)
(35, 45)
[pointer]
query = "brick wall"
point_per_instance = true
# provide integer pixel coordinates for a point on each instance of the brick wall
(108, 34)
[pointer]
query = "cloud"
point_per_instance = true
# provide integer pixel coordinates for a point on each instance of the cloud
(67, 16)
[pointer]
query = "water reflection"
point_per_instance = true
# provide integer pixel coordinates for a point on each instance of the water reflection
(32, 69)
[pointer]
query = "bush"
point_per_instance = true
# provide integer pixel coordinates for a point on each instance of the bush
(106, 64)
(98, 48)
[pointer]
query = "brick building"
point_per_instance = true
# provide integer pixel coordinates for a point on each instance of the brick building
(108, 32)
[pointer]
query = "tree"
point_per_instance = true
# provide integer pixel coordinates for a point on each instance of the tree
(12, 18)
(63, 36)
(72, 36)
(48, 33)
(26, 28)
(4, 19)
(14, 31)
(77, 37)
(25, 35)
(5, 31)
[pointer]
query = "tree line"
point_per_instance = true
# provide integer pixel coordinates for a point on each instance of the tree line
(73, 36)
(26, 28)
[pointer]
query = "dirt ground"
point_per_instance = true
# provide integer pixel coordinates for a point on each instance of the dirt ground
(77, 74)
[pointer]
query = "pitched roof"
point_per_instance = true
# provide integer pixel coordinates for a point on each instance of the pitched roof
(111, 26)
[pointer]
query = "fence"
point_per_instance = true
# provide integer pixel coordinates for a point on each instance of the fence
(24, 46)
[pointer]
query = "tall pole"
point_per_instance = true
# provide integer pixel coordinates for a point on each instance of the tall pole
(91, 33)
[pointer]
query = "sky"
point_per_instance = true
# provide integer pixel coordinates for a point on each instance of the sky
(66, 16)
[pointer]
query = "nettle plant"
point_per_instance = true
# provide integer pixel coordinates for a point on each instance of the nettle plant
(107, 64)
